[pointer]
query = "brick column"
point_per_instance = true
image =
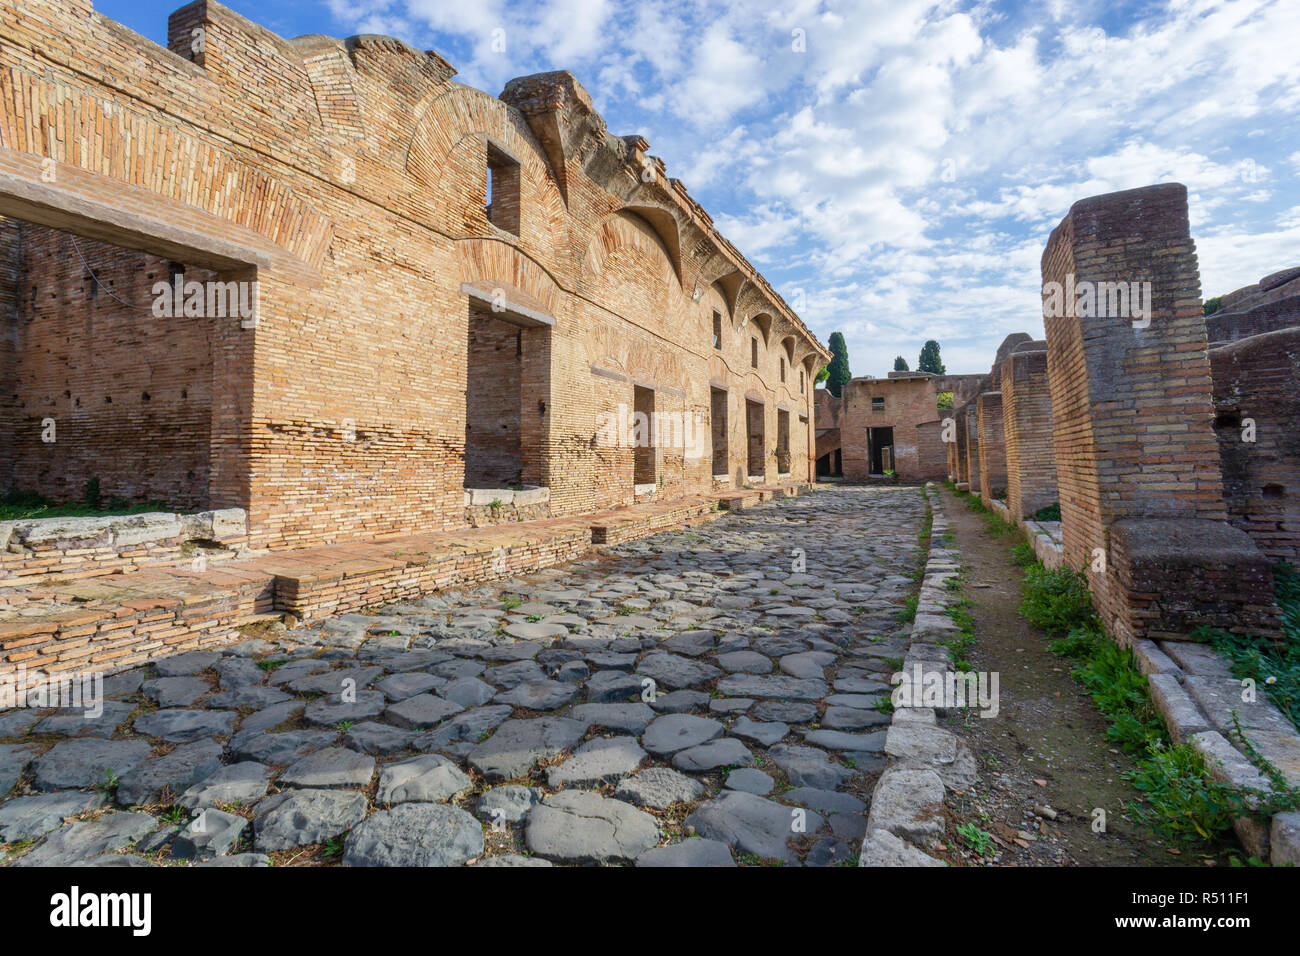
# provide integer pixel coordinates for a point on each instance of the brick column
(961, 474)
(1027, 431)
(971, 412)
(993, 462)
(1137, 458)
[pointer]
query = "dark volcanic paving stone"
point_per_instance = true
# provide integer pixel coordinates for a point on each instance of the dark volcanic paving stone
(333, 710)
(26, 818)
(174, 772)
(83, 722)
(673, 732)
(428, 778)
(725, 752)
(243, 783)
(285, 748)
(539, 695)
(180, 726)
(421, 712)
(299, 817)
(612, 687)
(87, 762)
(330, 768)
(83, 840)
(518, 745)
(781, 687)
(577, 826)
(750, 824)
(676, 672)
(375, 738)
(630, 718)
(850, 718)
(790, 712)
(415, 834)
(175, 691)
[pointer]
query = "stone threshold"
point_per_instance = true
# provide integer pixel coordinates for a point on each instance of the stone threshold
(122, 620)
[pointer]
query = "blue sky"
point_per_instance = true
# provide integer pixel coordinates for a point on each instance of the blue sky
(894, 166)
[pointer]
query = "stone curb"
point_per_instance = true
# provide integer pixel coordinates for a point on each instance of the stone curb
(1197, 697)
(906, 815)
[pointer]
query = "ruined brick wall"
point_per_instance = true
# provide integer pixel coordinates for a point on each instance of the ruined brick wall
(1257, 408)
(1027, 432)
(992, 452)
(904, 403)
(349, 178)
(1271, 303)
(1133, 420)
(129, 393)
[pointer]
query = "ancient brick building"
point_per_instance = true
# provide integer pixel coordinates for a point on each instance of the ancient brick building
(895, 424)
(459, 298)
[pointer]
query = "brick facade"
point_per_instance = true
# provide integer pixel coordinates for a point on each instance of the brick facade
(349, 179)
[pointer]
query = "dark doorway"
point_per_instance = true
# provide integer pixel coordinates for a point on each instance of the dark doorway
(503, 425)
(755, 429)
(880, 450)
(643, 451)
(719, 424)
(782, 442)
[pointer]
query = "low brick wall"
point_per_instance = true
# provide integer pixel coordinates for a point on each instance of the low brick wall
(42, 550)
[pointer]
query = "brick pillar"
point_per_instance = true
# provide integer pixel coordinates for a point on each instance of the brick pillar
(973, 448)
(961, 474)
(1027, 432)
(993, 462)
(1136, 454)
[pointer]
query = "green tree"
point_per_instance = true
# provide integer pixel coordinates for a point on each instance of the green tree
(900, 364)
(930, 361)
(838, 371)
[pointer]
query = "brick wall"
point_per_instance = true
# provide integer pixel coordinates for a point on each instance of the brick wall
(350, 178)
(1027, 432)
(1257, 408)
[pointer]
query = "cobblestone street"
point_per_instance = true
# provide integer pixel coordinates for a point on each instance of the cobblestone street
(706, 696)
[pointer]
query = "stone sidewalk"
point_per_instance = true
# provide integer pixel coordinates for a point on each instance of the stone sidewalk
(701, 697)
